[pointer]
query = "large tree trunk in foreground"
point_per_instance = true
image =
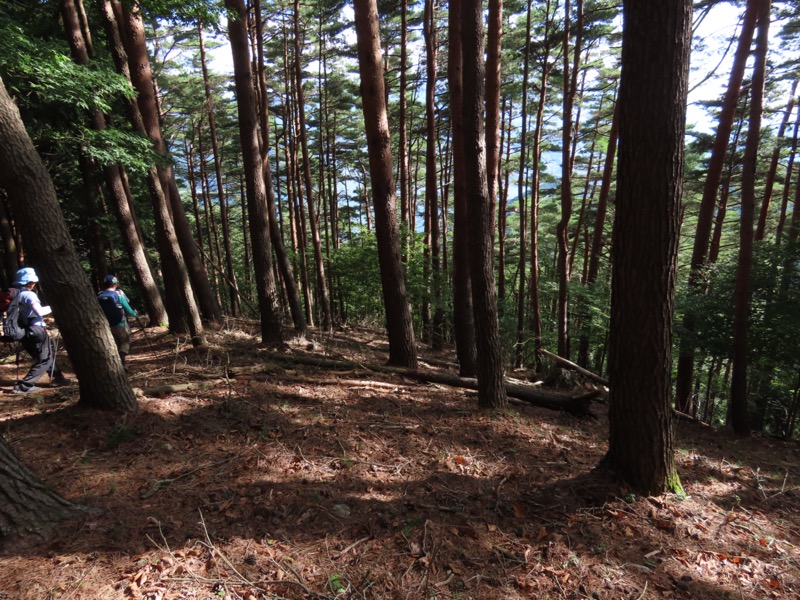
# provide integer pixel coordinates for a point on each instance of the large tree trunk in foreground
(28, 507)
(491, 387)
(655, 68)
(402, 350)
(254, 177)
(83, 325)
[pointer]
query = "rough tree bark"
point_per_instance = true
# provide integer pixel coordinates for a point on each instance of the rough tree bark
(655, 68)
(28, 507)
(463, 322)
(84, 327)
(491, 387)
(254, 177)
(402, 350)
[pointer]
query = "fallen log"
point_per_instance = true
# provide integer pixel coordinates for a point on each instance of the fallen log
(578, 405)
(571, 365)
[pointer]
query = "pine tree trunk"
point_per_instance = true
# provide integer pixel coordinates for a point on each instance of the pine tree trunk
(254, 176)
(140, 75)
(28, 508)
(81, 321)
(405, 205)
(281, 257)
(73, 18)
(184, 317)
(230, 274)
(521, 196)
(787, 181)
(493, 58)
(683, 384)
(536, 316)
(599, 230)
(431, 183)
(741, 312)
(491, 387)
(402, 350)
(773, 166)
(725, 190)
(463, 322)
(322, 284)
(652, 123)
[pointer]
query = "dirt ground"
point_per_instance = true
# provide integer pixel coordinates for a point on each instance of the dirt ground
(268, 479)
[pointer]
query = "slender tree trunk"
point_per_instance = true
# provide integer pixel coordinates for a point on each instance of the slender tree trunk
(493, 57)
(140, 73)
(230, 274)
(184, 316)
(725, 190)
(463, 322)
(282, 258)
(254, 176)
(322, 285)
(787, 182)
(702, 236)
(646, 233)
(741, 311)
(431, 183)
(521, 195)
(405, 204)
(73, 17)
(562, 230)
(502, 203)
(773, 166)
(402, 350)
(536, 316)
(491, 387)
(599, 229)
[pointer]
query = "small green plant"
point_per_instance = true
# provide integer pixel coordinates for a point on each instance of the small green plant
(630, 498)
(336, 584)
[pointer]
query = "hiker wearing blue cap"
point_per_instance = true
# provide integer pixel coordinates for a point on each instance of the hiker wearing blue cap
(36, 341)
(115, 305)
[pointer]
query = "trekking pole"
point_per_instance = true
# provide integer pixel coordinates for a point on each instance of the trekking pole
(55, 353)
(147, 337)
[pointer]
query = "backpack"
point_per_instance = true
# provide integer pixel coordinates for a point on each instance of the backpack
(109, 302)
(11, 327)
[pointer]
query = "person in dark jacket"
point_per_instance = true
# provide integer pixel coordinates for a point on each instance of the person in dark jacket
(116, 308)
(36, 342)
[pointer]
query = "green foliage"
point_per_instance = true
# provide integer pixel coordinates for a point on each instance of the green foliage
(356, 271)
(41, 72)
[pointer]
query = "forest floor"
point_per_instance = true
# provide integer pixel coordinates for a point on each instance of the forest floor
(270, 479)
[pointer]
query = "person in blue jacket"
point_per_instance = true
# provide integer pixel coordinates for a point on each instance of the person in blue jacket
(115, 306)
(36, 341)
